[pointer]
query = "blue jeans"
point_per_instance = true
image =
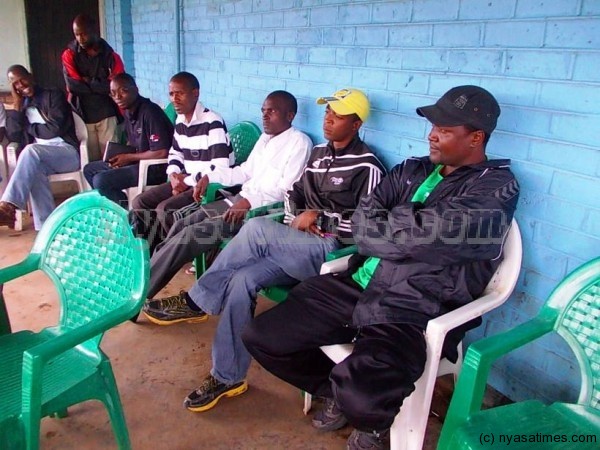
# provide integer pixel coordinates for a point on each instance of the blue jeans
(263, 253)
(30, 178)
(110, 182)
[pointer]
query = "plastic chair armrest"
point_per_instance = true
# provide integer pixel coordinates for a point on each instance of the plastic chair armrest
(491, 348)
(145, 164)
(35, 358)
(459, 316)
(84, 154)
(11, 158)
(26, 266)
(265, 210)
(211, 192)
(276, 216)
(478, 361)
(70, 339)
(344, 251)
(336, 265)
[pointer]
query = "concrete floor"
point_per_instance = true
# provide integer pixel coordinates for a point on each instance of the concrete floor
(156, 367)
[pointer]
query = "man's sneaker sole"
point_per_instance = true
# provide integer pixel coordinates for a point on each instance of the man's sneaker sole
(230, 393)
(153, 319)
(330, 426)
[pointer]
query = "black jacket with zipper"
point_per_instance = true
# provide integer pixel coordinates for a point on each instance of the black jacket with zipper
(54, 109)
(333, 182)
(438, 255)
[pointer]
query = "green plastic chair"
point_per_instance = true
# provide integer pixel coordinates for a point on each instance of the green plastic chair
(573, 311)
(100, 271)
(243, 137)
(170, 112)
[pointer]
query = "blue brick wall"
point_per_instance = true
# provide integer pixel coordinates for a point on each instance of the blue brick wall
(540, 59)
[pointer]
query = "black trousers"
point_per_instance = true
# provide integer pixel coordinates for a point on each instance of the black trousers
(370, 385)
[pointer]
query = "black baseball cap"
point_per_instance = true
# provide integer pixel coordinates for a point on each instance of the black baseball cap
(464, 105)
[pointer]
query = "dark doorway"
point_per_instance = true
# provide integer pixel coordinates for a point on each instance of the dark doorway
(49, 30)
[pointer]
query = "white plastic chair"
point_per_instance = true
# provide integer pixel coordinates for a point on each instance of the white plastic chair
(408, 429)
(76, 176)
(145, 164)
(3, 170)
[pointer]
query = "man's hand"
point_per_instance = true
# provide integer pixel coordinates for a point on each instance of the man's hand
(121, 160)
(307, 221)
(177, 184)
(17, 99)
(200, 188)
(237, 212)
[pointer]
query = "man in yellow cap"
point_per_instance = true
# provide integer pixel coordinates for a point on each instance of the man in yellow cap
(347, 102)
(265, 253)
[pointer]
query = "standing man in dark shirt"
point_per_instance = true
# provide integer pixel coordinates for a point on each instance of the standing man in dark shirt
(89, 64)
(148, 130)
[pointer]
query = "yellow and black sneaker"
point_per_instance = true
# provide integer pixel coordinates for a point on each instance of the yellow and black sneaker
(170, 310)
(210, 392)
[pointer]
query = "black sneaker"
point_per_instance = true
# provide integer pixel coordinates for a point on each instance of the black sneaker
(210, 392)
(170, 310)
(330, 418)
(368, 440)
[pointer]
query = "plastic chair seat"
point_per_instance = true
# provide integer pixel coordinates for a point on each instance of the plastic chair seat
(556, 419)
(63, 373)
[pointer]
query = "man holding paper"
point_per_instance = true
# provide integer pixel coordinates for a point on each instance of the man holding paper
(149, 135)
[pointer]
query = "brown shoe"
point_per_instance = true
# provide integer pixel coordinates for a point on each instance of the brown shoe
(7, 214)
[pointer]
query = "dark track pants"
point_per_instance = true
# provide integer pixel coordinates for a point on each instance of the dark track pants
(370, 385)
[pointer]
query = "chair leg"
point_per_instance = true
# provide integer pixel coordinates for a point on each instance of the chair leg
(31, 417)
(114, 407)
(18, 220)
(307, 403)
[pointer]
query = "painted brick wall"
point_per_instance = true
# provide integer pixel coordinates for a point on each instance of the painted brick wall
(541, 59)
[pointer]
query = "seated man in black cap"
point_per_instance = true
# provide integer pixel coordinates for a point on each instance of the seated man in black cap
(430, 238)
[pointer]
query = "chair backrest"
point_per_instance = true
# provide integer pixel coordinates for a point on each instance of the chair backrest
(82, 137)
(243, 136)
(171, 113)
(576, 303)
(507, 274)
(99, 268)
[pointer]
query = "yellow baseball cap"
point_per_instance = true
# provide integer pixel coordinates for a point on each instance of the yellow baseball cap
(348, 101)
